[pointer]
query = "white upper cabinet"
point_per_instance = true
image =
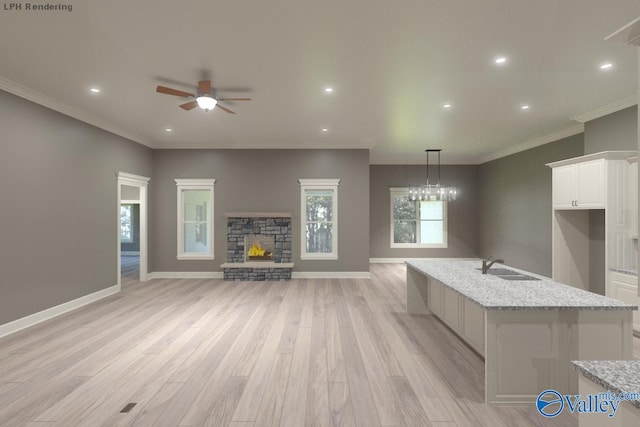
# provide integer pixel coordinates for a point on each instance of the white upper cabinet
(581, 183)
(564, 187)
(579, 186)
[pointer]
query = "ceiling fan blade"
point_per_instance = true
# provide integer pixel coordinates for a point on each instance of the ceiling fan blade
(204, 86)
(175, 92)
(189, 105)
(224, 109)
(234, 99)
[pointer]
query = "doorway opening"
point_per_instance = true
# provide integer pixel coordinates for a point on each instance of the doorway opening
(132, 228)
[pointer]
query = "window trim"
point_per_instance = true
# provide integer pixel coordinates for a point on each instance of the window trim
(402, 191)
(318, 184)
(194, 184)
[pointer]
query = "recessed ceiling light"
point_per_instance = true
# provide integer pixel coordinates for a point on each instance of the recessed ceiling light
(447, 105)
(525, 107)
(95, 90)
(168, 130)
(325, 130)
(606, 66)
(328, 89)
(500, 60)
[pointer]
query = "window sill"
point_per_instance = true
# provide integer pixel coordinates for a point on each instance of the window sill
(319, 257)
(417, 246)
(195, 257)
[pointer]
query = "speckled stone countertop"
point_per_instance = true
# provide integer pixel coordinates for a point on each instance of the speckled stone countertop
(618, 376)
(494, 293)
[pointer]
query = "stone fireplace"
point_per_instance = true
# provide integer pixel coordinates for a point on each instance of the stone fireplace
(258, 246)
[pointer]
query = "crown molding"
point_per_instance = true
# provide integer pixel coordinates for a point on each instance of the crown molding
(329, 145)
(55, 105)
(611, 108)
(629, 34)
(565, 133)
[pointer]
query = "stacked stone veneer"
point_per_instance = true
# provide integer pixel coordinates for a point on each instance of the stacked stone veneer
(257, 274)
(240, 227)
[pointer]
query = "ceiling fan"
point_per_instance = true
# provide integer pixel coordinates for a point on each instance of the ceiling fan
(205, 97)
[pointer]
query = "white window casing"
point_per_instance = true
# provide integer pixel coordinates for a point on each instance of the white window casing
(195, 204)
(319, 222)
(438, 234)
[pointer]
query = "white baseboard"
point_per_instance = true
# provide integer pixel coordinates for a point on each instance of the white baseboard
(49, 313)
(294, 275)
(330, 275)
(185, 275)
(391, 260)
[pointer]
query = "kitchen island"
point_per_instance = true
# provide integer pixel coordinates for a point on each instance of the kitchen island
(620, 378)
(528, 331)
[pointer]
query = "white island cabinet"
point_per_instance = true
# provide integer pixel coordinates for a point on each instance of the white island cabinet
(528, 331)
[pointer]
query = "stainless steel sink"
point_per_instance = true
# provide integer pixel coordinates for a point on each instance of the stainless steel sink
(506, 274)
(517, 277)
(501, 272)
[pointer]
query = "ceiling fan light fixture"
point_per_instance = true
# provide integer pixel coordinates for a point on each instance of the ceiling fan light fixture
(206, 102)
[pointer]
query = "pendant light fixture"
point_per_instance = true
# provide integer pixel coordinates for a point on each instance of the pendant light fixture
(430, 191)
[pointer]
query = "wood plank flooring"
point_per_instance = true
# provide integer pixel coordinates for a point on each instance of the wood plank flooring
(203, 352)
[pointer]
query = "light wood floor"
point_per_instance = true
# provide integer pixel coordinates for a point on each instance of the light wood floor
(130, 269)
(248, 354)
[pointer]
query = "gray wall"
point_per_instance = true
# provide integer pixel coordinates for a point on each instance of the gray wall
(514, 205)
(597, 251)
(262, 180)
(58, 220)
(617, 131)
(462, 224)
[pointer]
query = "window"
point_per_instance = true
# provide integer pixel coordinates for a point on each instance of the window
(195, 214)
(417, 224)
(126, 223)
(319, 214)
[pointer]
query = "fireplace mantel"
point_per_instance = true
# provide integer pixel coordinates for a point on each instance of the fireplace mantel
(257, 214)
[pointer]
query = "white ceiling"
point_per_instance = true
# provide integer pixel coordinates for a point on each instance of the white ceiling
(392, 64)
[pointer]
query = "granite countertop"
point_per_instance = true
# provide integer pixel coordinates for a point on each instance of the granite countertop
(494, 293)
(618, 376)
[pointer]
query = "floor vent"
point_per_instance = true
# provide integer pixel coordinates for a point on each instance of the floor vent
(128, 408)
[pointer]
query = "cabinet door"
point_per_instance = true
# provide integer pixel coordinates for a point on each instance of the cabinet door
(435, 297)
(473, 325)
(628, 294)
(590, 185)
(451, 305)
(564, 195)
(633, 198)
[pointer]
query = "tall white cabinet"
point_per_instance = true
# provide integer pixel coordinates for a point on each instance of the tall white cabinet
(593, 219)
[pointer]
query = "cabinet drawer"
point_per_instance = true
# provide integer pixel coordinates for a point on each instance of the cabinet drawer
(629, 294)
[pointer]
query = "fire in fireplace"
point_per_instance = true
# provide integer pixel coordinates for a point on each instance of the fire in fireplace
(261, 248)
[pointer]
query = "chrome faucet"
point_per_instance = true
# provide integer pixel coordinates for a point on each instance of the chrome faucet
(487, 263)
